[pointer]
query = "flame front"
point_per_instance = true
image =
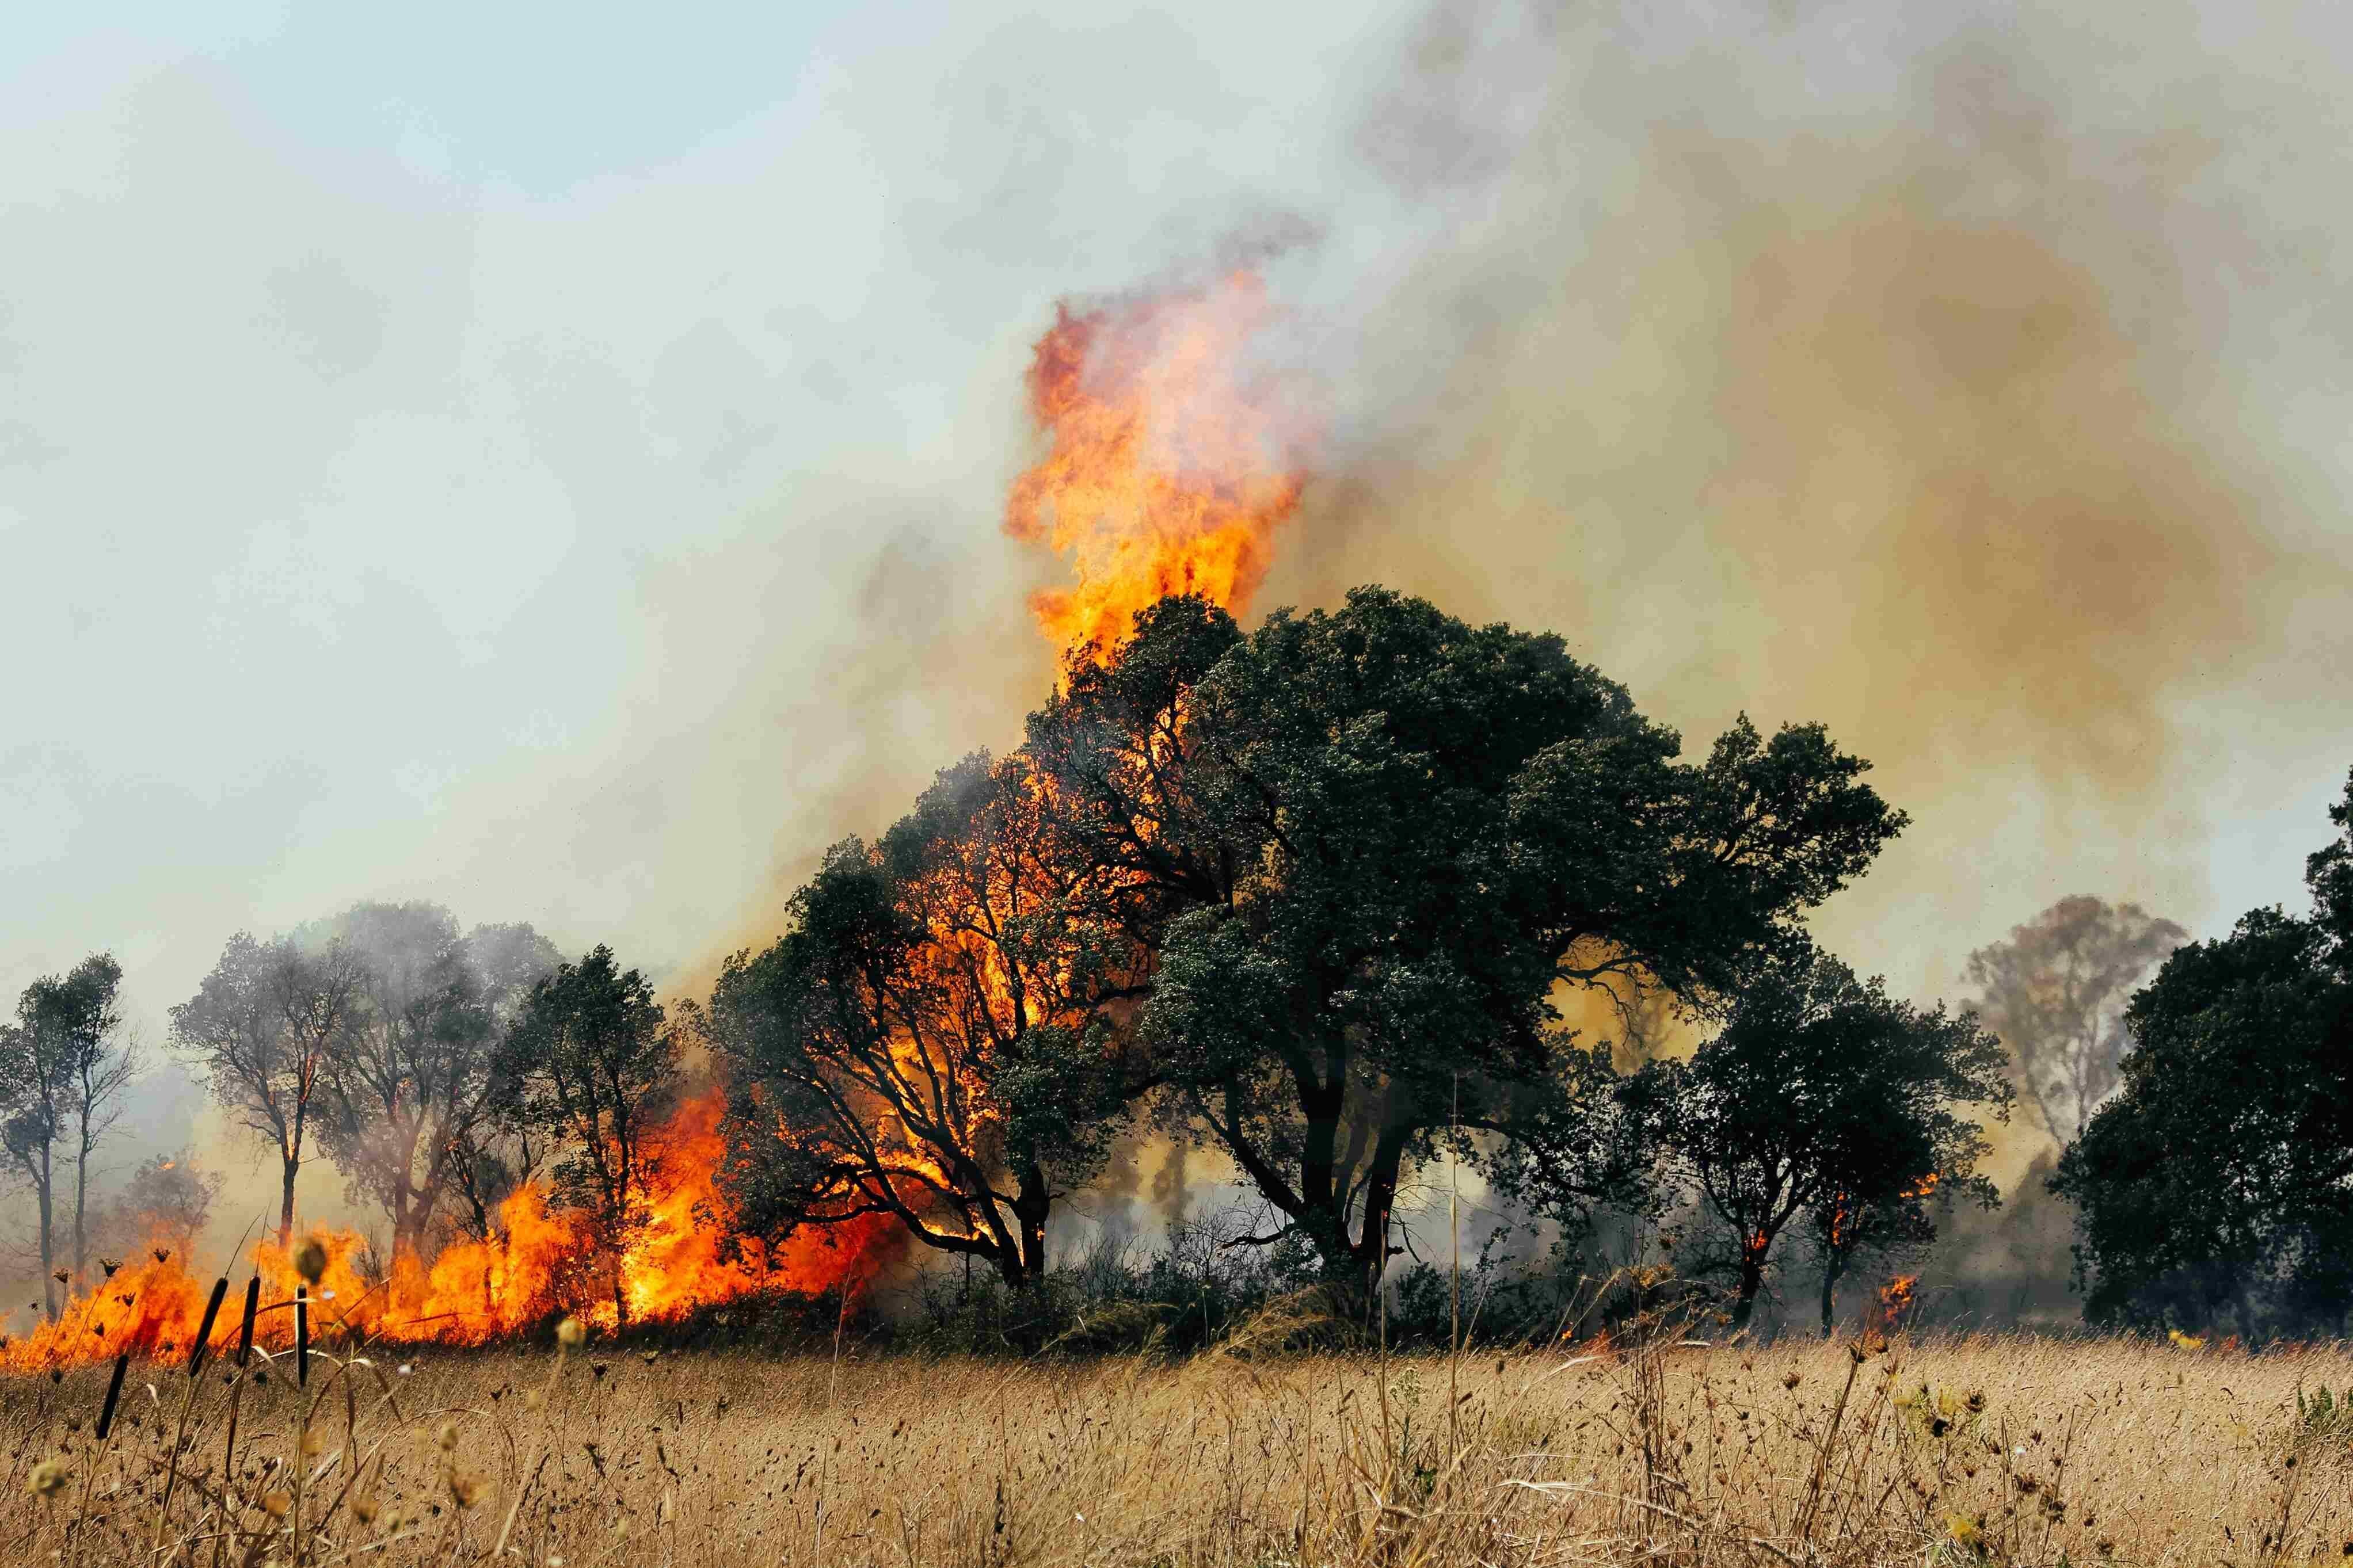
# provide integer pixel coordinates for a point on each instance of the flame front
(1896, 1299)
(1172, 460)
(542, 1262)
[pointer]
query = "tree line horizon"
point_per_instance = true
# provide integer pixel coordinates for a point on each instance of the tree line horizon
(1335, 898)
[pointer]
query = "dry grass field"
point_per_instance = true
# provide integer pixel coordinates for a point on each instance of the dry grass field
(1965, 1451)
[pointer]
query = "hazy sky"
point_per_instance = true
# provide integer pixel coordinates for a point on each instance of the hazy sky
(548, 459)
(420, 431)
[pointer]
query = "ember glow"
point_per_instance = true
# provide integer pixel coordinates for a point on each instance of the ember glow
(1896, 1299)
(1172, 460)
(540, 1263)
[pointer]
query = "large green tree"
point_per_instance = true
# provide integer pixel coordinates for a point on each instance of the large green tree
(2216, 1188)
(1824, 1100)
(933, 1038)
(1369, 845)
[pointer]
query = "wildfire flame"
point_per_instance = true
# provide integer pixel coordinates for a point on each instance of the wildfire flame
(475, 1291)
(1170, 462)
(1896, 1299)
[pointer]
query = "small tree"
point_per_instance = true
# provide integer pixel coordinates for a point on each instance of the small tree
(1822, 1096)
(261, 1027)
(929, 1041)
(168, 1201)
(590, 1063)
(67, 1063)
(2056, 993)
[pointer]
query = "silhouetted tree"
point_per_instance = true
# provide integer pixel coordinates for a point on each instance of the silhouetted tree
(67, 1063)
(930, 1040)
(2056, 993)
(2218, 1185)
(1368, 845)
(590, 1064)
(168, 1202)
(407, 1083)
(1824, 1096)
(261, 1027)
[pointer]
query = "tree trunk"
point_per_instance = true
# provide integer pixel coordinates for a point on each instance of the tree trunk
(1752, 1281)
(286, 1202)
(48, 1243)
(1031, 1203)
(1831, 1268)
(1365, 1262)
(81, 1203)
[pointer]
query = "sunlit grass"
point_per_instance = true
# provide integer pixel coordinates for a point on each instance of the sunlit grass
(1965, 1451)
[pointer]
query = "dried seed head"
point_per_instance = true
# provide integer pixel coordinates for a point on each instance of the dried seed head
(313, 1445)
(466, 1490)
(277, 1504)
(49, 1477)
(363, 1507)
(446, 1437)
(533, 1400)
(310, 1258)
(570, 1332)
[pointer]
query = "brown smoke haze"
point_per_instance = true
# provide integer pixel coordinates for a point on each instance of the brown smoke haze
(1922, 419)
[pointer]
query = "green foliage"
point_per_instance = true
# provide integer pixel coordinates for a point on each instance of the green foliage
(2323, 1420)
(1824, 1096)
(1368, 845)
(2211, 1189)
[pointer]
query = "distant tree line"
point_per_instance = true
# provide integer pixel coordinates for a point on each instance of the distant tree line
(1337, 900)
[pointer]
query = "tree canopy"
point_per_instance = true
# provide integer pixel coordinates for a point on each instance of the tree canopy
(1825, 1100)
(1369, 844)
(2217, 1185)
(590, 1063)
(930, 1039)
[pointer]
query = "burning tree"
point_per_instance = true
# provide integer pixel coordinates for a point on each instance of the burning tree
(167, 1203)
(591, 1066)
(1823, 1096)
(1366, 846)
(2055, 992)
(933, 1040)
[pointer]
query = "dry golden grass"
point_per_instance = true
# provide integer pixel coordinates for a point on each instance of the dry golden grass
(1971, 1451)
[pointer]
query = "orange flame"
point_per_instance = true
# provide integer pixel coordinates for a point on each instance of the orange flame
(475, 1291)
(1170, 463)
(1896, 1299)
